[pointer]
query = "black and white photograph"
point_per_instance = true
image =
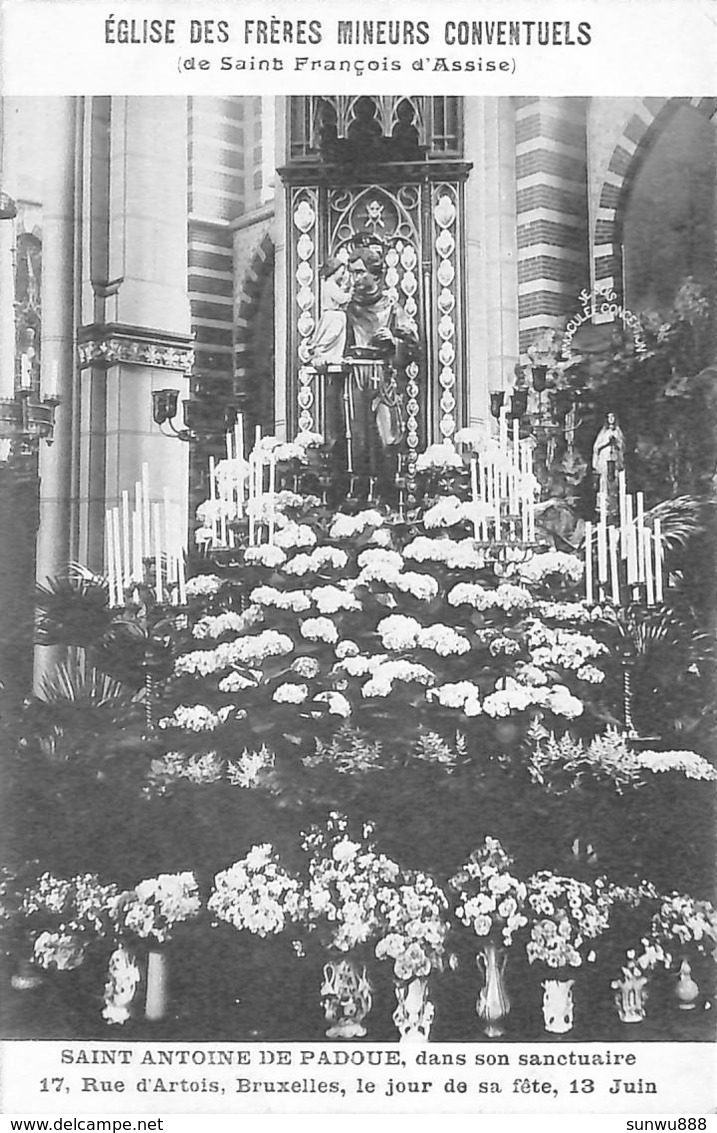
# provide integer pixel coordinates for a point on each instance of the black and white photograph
(358, 469)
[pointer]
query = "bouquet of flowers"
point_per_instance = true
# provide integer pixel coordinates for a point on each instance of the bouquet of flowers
(257, 894)
(565, 915)
(681, 922)
(490, 898)
(346, 877)
(413, 911)
(156, 906)
(63, 917)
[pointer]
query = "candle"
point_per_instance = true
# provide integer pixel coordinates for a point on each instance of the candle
(138, 510)
(109, 556)
(496, 499)
(157, 532)
(649, 587)
(252, 499)
(51, 380)
(25, 372)
(145, 511)
(272, 494)
(169, 541)
(182, 579)
(136, 546)
(658, 560)
(631, 543)
(615, 580)
(640, 541)
(602, 549)
(125, 539)
(589, 561)
(622, 491)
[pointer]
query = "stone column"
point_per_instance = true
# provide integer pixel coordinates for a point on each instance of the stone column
(491, 251)
(138, 338)
(57, 353)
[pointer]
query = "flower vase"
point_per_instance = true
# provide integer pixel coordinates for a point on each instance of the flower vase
(123, 979)
(493, 1004)
(558, 1006)
(687, 990)
(414, 1013)
(155, 997)
(346, 999)
(26, 977)
(631, 994)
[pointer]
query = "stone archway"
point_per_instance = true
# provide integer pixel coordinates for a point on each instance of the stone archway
(638, 137)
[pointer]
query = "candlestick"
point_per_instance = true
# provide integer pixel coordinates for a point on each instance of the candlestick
(589, 561)
(602, 549)
(622, 492)
(614, 577)
(658, 560)
(169, 539)
(649, 587)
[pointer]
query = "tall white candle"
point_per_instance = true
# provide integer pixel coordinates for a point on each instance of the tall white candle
(631, 543)
(272, 495)
(614, 576)
(640, 498)
(252, 499)
(169, 539)
(145, 511)
(117, 541)
(157, 532)
(649, 585)
(110, 559)
(622, 492)
(136, 546)
(496, 499)
(602, 549)
(658, 560)
(126, 561)
(138, 512)
(50, 380)
(589, 561)
(182, 579)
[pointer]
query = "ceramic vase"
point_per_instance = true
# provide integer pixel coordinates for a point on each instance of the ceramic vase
(414, 1012)
(558, 1006)
(346, 999)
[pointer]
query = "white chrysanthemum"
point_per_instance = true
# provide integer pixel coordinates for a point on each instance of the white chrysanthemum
(337, 703)
(439, 456)
(296, 600)
(687, 763)
(290, 694)
(443, 640)
(348, 526)
(265, 554)
(319, 629)
(331, 599)
(346, 649)
(421, 586)
(398, 632)
(227, 622)
(203, 586)
(295, 535)
(539, 567)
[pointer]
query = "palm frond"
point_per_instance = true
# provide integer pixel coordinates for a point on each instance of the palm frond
(679, 518)
(83, 686)
(72, 608)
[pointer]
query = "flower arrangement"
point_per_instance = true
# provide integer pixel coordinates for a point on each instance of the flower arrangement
(565, 917)
(345, 877)
(154, 908)
(257, 894)
(413, 911)
(681, 923)
(64, 917)
(490, 899)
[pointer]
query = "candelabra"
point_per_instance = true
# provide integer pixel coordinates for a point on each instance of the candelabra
(26, 419)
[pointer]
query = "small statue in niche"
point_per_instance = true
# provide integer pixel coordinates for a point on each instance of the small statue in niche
(608, 461)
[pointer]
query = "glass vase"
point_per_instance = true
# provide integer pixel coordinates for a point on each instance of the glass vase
(493, 1004)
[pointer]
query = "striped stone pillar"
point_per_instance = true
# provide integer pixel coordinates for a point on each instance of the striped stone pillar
(551, 195)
